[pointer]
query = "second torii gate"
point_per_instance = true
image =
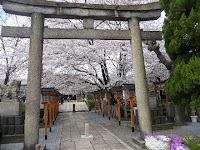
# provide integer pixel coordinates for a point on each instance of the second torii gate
(40, 9)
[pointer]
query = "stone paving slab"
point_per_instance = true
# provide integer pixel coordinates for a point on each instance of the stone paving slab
(103, 139)
(15, 146)
(67, 131)
(124, 132)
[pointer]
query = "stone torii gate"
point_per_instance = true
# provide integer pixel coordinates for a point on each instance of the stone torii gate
(40, 9)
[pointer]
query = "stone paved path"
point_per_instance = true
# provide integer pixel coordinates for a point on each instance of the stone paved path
(67, 131)
(73, 126)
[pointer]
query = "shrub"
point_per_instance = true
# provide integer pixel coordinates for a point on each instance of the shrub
(23, 110)
(91, 102)
(192, 143)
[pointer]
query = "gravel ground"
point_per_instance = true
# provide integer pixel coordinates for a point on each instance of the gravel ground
(53, 137)
(124, 132)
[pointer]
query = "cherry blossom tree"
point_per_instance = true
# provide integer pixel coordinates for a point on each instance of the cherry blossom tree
(87, 64)
(13, 51)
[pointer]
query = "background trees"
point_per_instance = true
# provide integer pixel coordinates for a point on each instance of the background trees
(181, 33)
(93, 63)
(181, 29)
(13, 51)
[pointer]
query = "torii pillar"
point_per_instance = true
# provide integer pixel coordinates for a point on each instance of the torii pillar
(32, 115)
(140, 79)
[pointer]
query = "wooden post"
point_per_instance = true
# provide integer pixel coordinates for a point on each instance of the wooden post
(95, 104)
(98, 105)
(56, 107)
(58, 104)
(53, 114)
(50, 106)
(119, 113)
(102, 106)
(108, 98)
(54, 101)
(167, 98)
(132, 113)
(45, 103)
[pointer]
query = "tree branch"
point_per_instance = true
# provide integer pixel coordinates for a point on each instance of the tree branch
(154, 46)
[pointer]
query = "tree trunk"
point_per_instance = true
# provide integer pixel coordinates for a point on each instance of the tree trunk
(6, 80)
(180, 115)
(154, 46)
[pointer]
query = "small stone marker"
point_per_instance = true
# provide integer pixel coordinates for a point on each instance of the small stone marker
(87, 129)
(168, 148)
(37, 147)
(87, 136)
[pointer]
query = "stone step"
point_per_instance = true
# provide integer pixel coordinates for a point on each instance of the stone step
(12, 120)
(163, 126)
(13, 129)
(8, 139)
(138, 143)
(158, 120)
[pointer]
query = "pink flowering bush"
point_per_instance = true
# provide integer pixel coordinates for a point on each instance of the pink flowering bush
(177, 143)
(162, 142)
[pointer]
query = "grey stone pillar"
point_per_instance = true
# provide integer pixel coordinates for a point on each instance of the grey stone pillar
(140, 79)
(32, 114)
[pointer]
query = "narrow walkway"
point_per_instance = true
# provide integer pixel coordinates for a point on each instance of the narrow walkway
(73, 126)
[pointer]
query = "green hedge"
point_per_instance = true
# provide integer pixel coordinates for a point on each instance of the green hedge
(91, 102)
(23, 109)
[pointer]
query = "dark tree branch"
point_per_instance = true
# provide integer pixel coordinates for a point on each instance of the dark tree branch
(88, 73)
(154, 46)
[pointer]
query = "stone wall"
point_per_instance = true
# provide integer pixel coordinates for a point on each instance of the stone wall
(1, 130)
(10, 105)
(12, 125)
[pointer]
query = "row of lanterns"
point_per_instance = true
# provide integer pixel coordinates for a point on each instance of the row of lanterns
(126, 89)
(50, 100)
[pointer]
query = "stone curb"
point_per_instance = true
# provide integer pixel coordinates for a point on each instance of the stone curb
(122, 142)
